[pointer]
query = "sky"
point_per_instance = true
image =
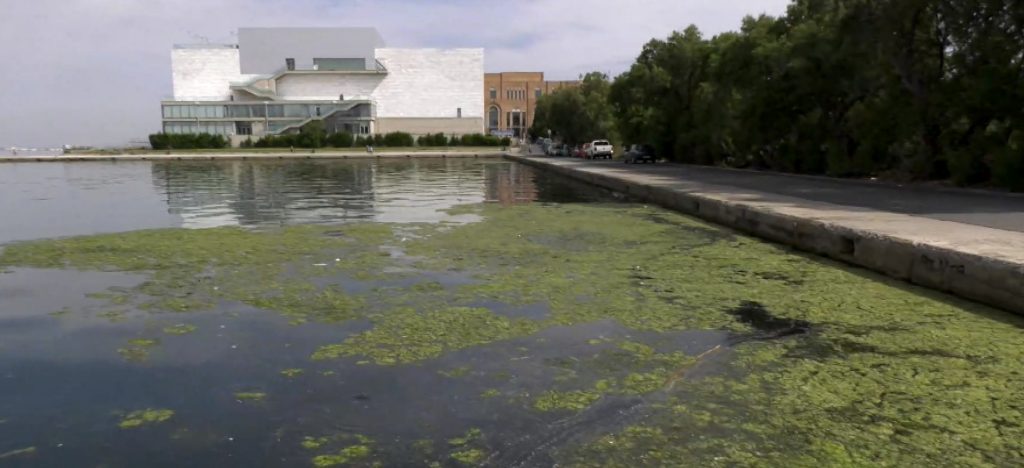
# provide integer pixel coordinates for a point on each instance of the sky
(93, 72)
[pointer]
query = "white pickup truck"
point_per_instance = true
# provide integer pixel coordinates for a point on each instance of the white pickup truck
(600, 149)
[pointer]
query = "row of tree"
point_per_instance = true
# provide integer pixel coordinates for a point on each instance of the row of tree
(921, 89)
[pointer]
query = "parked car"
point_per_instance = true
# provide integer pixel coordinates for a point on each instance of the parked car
(552, 149)
(580, 152)
(639, 154)
(600, 149)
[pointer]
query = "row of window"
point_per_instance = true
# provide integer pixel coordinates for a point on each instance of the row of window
(514, 119)
(301, 111)
(516, 94)
(213, 128)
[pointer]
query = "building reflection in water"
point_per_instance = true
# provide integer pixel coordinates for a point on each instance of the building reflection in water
(511, 184)
(220, 193)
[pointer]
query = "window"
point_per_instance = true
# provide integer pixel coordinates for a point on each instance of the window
(289, 63)
(493, 118)
(536, 93)
(494, 93)
(243, 128)
(459, 112)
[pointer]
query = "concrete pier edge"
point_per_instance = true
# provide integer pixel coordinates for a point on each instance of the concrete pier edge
(989, 280)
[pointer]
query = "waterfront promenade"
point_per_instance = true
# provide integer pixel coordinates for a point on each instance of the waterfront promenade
(963, 242)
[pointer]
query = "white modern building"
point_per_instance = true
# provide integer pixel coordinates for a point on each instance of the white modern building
(276, 80)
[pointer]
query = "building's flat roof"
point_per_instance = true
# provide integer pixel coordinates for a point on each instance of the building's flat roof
(205, 46)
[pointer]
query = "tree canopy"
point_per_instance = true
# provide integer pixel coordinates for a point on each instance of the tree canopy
(922, 89)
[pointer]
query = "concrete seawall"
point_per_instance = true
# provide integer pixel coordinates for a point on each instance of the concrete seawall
(242, 156)
(973, 262)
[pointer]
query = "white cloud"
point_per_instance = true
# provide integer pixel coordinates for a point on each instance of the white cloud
(93, 71)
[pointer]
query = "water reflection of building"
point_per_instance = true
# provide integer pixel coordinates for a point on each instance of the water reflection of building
(265, 193)
(219, 193)
(510, 184)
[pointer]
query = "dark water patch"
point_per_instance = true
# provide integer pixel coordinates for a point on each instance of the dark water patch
(34, 293)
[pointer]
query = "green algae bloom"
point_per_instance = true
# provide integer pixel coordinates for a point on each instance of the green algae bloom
(292, 373)
(405, 336)
(470, 456)
(250, 396)
(472, 435)
(180, 329)
(491, 393)
(887, 374)
(137, 349)
(345, 456)
(113, 316)
(313, 443)
(467, 449)
(576, 400)
(145, 417)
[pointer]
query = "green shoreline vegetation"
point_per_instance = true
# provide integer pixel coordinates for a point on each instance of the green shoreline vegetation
(889, 374)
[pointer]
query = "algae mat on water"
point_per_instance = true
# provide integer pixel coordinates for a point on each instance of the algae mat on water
(880, 374)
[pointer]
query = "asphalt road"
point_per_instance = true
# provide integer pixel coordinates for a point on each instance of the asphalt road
(994, 210)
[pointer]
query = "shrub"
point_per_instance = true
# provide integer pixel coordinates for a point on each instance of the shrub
(432, 140)
(479, 139)
(340, 140)
(278, 141)
(1008, 164)
(396, 139)
(163, 141)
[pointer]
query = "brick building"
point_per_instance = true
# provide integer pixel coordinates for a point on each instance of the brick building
(510, 100)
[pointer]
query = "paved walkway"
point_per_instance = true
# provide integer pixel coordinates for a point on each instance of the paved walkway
(964, 242)
(994, 210)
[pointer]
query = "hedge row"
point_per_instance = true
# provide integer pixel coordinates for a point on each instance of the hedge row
(164, 141)
(314, 139)
(475, 139)
(393, 140)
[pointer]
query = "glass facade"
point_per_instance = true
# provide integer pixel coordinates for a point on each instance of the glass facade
(224, 118)
(215, 128)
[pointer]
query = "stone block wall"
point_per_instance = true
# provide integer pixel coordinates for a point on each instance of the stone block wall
(431, 83)
(205, 74)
